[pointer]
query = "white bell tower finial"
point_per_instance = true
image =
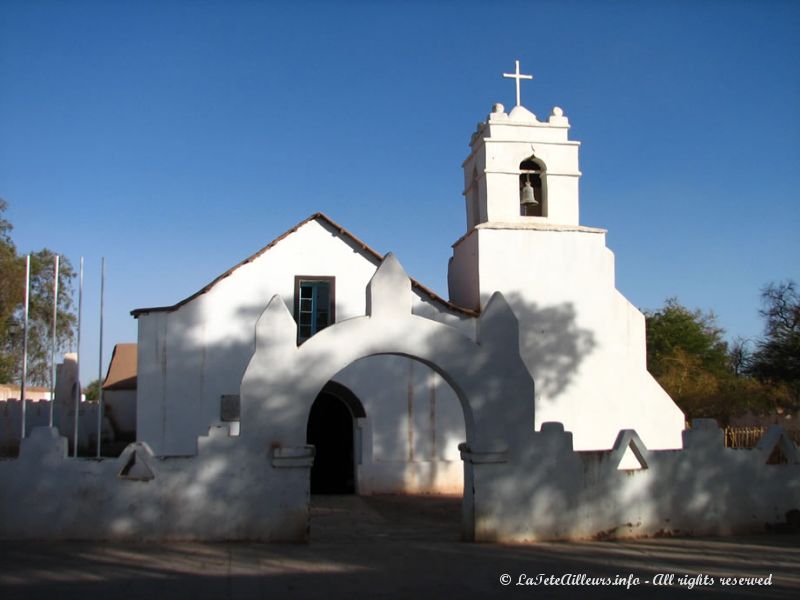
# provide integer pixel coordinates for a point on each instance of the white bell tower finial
(516, 75)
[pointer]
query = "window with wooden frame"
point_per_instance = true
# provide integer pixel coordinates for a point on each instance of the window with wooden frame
(314, 304)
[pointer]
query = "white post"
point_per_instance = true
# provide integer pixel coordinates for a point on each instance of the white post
(78, 393)
(100, 368)
(53, 350)
(25, 341)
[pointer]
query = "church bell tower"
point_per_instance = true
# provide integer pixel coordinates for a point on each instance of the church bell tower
(582, 341)
(520, 169)
(520, 179)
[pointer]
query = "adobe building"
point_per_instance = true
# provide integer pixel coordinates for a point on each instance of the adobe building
(393, 420)
(318, 365)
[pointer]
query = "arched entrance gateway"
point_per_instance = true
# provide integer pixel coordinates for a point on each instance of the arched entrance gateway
(283, 380)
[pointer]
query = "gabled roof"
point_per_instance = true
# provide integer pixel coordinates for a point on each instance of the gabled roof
(122, 369)
(364, 249)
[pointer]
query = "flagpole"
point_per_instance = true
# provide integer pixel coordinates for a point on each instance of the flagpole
(25, 341)
(53, 350)
(78, 393)
(100, 361)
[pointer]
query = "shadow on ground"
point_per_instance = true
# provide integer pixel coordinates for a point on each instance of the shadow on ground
(392, 518)
(390, 547)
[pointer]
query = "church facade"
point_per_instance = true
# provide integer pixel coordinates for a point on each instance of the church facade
(393, 420)
(400, 422)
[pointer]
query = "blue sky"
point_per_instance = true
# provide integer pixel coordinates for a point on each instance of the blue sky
(176, 138)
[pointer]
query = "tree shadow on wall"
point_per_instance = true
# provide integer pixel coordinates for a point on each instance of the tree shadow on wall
(552, 344)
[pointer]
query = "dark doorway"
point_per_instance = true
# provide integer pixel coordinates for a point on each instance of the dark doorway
(330, 429)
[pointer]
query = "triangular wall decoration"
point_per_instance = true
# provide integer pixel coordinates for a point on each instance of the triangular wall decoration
(136, 469)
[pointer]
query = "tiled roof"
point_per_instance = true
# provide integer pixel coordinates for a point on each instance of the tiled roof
(122, 369)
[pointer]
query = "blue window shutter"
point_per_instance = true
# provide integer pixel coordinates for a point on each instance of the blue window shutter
(314, 309)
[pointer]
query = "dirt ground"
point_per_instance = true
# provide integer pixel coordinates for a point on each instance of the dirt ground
(401, 547)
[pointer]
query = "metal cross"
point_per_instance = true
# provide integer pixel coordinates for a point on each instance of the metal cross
(516, 75)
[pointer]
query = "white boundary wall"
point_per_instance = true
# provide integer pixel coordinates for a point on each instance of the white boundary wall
(556, 493)
(520, 484)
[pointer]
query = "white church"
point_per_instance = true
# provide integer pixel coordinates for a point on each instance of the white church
(318, 365)
(393, 420)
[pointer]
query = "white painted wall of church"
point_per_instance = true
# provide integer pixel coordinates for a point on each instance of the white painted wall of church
(412, 430)
(581, 339)
(190, 357)
(462, 274)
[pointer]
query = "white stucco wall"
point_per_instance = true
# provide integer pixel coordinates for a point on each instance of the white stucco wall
(413, 427)
(463, 278)
(540, 489)
(214, 495)
(703, 489)
(37, 414)
(119, 407)
(189, 357)
(582, 340)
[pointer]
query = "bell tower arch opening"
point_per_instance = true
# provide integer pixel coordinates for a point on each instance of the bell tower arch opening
(531, 188)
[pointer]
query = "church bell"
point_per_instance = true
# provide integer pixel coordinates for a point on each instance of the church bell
(527, 198)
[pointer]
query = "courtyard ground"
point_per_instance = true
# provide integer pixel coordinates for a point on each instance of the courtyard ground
(399, 547)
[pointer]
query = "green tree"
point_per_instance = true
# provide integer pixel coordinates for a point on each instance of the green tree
(776, 359)
(675, 330)
(40, 313)
(40, 310)
(688, 356)
(92, 391)
(11, 295)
